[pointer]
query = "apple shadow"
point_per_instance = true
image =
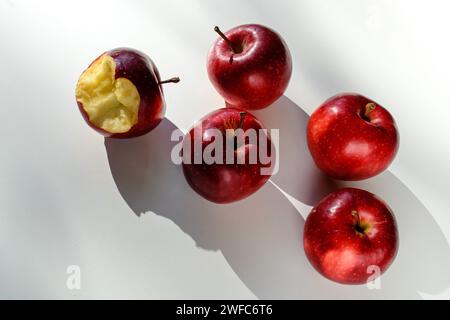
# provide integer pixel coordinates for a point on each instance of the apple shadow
(261, 236)
(297, 175)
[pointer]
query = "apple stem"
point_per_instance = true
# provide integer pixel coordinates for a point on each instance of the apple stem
(369, 108)
(359, 227)
(241, 122)
(228, 41)
(171, 80)
(356, 216)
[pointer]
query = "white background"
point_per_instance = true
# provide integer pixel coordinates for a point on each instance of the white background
(67, 197)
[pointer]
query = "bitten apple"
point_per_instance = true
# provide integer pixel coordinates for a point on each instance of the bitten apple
(225, 181)
(120, 94)
(350, 235)
(352, 137)
(250, 66)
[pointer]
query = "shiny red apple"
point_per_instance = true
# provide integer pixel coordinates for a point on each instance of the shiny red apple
(237, 169)
(250, 66)
(350, 235)
(352, 137)
(120, 94)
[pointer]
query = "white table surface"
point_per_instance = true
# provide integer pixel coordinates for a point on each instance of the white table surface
(123, 213)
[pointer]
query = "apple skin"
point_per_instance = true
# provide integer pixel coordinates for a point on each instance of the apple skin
(334, 240)
(225, 183)
(142, 72)
(348, 145)
(256, 77)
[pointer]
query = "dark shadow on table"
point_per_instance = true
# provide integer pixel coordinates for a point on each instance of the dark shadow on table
(260, 237)
(297, 175)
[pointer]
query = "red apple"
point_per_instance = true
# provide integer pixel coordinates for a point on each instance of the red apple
(120, 94)
(250, 66)
(223, 181)
(352, 137)
(349, 231)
